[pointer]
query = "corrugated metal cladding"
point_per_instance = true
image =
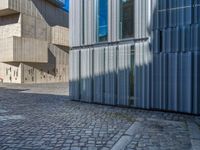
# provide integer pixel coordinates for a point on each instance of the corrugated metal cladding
(83, 18)
(101, 74)
(157, 69)
(176, 50)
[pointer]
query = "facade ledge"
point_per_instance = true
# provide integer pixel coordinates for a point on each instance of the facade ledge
(6, 8)
(59, 36)
(20, 49)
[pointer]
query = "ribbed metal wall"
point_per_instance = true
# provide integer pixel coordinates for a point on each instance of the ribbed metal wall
(74, 75)
(166, 51)
(83, 18)
(76, 23)
(99, 67)
(89, 22)
(113, 20)
(175, 48)
(101, 74)
(143, 69)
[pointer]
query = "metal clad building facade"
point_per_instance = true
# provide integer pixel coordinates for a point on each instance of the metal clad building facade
(146, 55)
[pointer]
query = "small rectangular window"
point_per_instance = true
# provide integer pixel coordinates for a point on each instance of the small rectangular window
(102, 21)
(126, 18)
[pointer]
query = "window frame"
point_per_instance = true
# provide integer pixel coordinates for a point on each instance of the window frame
(121, 36)
(98, 22)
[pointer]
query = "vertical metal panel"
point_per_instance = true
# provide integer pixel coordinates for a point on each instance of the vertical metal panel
(143, 59)
(140, 65)
(180, 13)
(86, 75)
(185, 39)
(137, 79)
(167, 42)
(74, 75)
(172, 78)
(141, 18)
(148, 20)
(110, 14)
(156, 41)
(142, 73)
(196, 83)
(156, 82)
(90, 17)
(123, 74)
(110, 75)
(188, 12)
(185, 84)
(175, 38)
(137, 23)
(196, 11)
(146, 74)
(195, 35)
(99, 75)
(172, 13)
(162, 13)
(155, 14)
(188, 38)
(113, 20)
(160, 82)
(71, 86)
(164, 80)
(76, 23)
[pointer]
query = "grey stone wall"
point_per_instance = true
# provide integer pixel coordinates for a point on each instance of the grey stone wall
(34, 34)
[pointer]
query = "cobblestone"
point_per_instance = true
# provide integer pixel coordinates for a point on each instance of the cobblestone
(43, 117)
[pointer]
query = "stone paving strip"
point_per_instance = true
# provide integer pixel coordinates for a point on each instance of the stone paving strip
(50, 121)
(127, 138)
(139, 135)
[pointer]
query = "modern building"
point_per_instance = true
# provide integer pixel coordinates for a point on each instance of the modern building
(34, 46)
(136, 53)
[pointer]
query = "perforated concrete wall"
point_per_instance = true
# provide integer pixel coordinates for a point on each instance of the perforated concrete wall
(34, 34)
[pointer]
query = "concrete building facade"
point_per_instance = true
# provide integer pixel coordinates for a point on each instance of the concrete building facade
(136, 53)
(34, 46)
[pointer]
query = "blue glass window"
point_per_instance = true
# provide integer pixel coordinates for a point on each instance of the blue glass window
(102, 22)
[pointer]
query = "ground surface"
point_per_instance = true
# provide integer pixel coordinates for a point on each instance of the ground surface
(43, 117)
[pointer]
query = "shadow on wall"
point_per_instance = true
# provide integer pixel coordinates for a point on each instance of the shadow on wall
(52, 14)
(11, 19)
(49, 67)
(16, 64)
(56, 69)
(163, 74)
(107, 74)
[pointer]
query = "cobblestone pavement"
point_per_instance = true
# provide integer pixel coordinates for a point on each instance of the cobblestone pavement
(41, 117)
